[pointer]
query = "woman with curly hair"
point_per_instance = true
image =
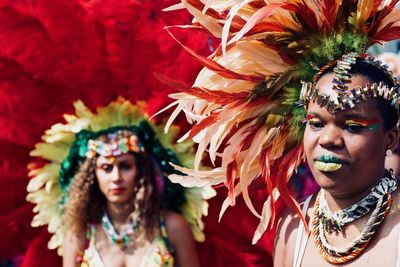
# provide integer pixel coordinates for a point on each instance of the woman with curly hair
(117, 207)
(115, 212)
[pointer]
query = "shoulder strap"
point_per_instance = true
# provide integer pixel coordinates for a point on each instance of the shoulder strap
(398, 252)
(164, 235)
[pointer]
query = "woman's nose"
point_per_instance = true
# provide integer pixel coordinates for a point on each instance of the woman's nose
(331, 137)
(115, 174)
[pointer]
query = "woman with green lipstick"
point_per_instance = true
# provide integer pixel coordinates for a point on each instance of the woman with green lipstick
(291, 81)
(352, 218)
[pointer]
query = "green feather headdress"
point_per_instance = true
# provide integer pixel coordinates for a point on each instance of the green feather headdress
(64, 149)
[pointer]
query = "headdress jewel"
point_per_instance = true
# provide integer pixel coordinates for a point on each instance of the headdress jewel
(309, 92)
(119, 143)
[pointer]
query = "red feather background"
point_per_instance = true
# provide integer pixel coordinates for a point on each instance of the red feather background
(55, 52)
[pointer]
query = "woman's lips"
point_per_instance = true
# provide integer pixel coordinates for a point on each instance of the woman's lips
(329, 163)
(117, 191)
(330, 159)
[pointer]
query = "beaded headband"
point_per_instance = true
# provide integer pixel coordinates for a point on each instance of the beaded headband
(309, 93)
(118, 143)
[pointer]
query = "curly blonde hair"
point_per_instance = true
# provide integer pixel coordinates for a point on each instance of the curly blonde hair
(86, 203)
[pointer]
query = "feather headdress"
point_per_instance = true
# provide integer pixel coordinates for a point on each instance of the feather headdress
(244, 103)
(49, 184)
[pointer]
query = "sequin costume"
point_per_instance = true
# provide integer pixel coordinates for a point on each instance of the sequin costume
(159, 254)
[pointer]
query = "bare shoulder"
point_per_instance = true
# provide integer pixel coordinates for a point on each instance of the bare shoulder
(176, 226)
(285, 237)
(76, 240)
(73, 246)
(181, 239)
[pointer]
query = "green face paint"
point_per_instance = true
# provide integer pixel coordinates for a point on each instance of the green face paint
(369, 124)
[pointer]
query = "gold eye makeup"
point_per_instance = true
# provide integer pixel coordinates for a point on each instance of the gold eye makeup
(312, 118)
(369, 124)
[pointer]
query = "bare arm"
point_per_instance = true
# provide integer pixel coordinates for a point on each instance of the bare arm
(285, 240)
(181, 238)
(73, 247)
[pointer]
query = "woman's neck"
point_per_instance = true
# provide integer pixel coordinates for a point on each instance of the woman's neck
(338, 202)
(119, 213)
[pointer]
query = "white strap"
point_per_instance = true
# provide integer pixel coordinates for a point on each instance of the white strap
(398, 253)
(302, 237)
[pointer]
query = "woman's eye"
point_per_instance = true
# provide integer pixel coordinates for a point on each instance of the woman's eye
(315, 124)
(107, 167)
(126, 165)
(353, 128)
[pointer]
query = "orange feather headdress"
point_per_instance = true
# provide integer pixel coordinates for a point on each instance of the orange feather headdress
(244, 103)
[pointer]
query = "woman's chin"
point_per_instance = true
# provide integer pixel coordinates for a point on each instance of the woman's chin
(329, 180)
(120, 200)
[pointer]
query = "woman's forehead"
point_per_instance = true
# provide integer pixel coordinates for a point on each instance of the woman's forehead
(364, 109)
(367, 109)
(111, 160)
(325, 84)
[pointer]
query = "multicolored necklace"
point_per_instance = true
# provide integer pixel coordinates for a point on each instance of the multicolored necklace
(121, 239)
(334, 221)
(382, 192)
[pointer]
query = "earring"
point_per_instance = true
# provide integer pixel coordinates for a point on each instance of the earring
(389, 153)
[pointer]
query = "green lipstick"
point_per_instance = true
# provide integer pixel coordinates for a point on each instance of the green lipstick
(328, 163)
(330, 159)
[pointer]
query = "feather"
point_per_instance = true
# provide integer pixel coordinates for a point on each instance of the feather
(217, 139)
(385, 25)
(265, 27)
(227, 25)
(329, 10)
(42, 177)
(179, 85)
(207, 177)
(381, 15)
(227, 202)
(209, 21)
(173, 116)
(231, 175)
(206, 9)
(174, 7)
(219, 97)
(287, 165)
(214, 66)
(376, 6)
(265, 216)
(364, 10)
(387, 34)
(304, 14)
(203, 124)
(257, 17)
(257, 140)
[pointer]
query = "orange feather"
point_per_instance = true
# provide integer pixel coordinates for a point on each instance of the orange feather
(256, 18)
(217, 68)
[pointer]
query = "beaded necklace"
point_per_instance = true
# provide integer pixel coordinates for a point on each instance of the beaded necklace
(334, 221)
(382, 192)
(120, 239)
